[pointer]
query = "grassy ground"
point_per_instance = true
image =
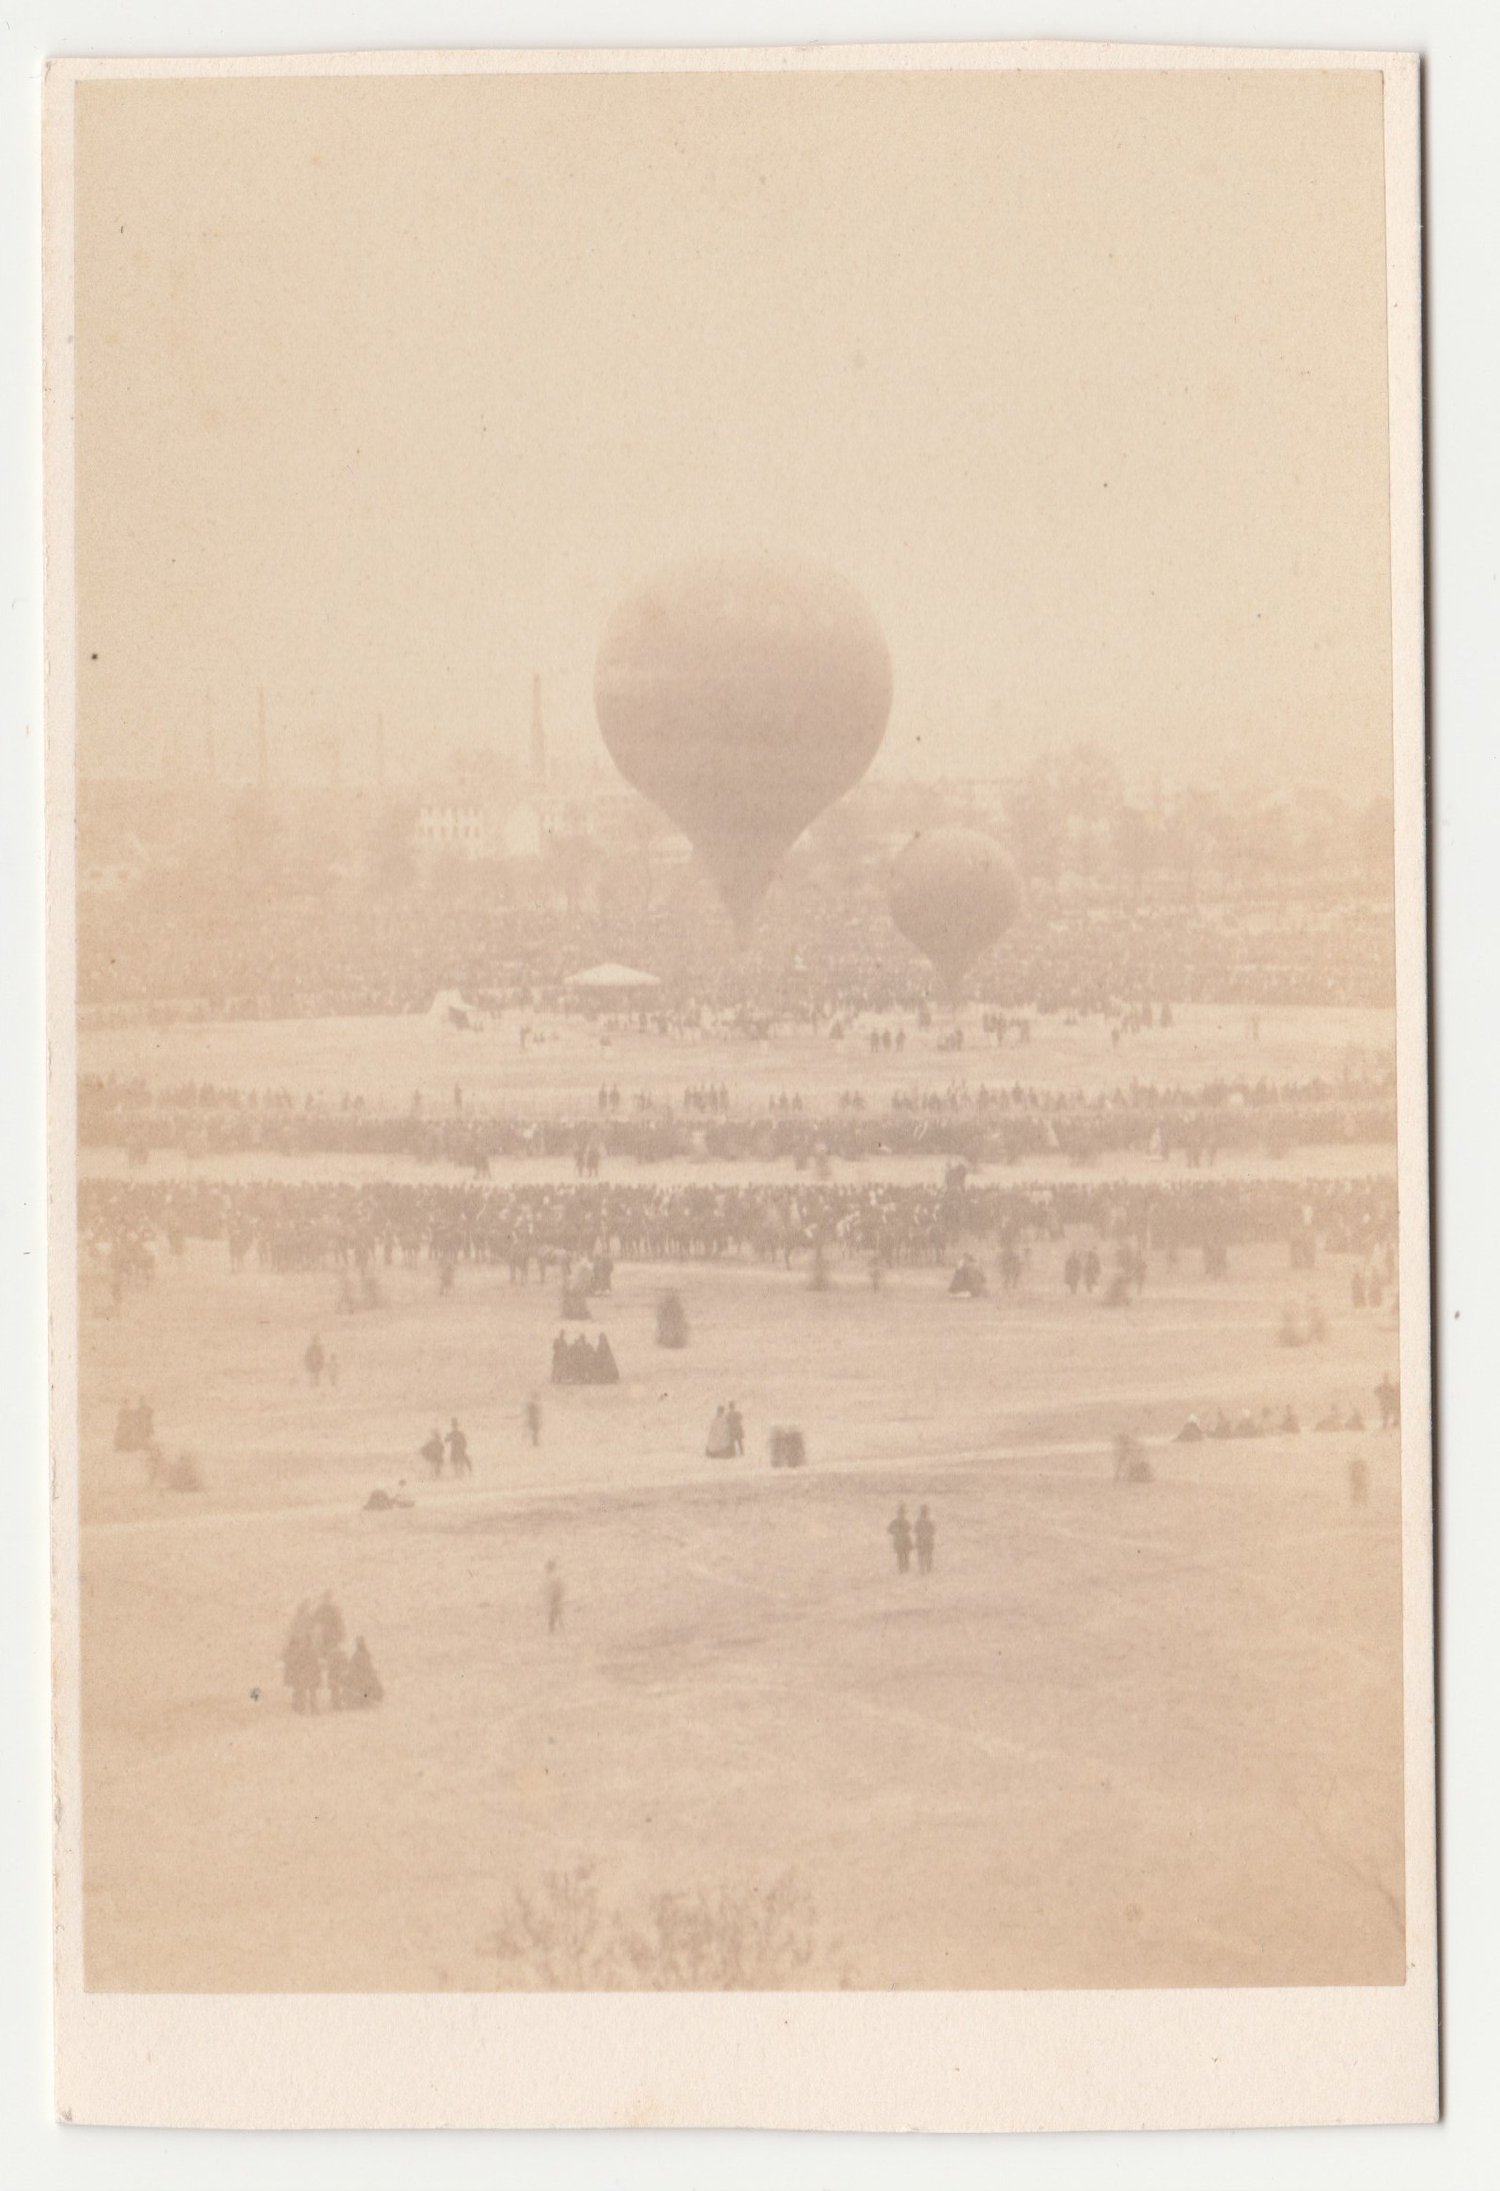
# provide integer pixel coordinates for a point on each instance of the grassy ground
(1123, 1734)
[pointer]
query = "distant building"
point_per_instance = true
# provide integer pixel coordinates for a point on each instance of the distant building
(505, 826)
(463, 830)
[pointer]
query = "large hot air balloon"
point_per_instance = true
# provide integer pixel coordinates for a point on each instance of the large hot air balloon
(743, 695)
(953, 891)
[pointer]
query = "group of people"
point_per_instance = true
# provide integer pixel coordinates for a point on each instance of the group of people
(452, 1450)
(908, 1536)
(982, 1121)
(580, 1361)
(1265, 1422)
(540, 1228)
(726, 1433)
(1262, 1422)
(1082, 1267)
(1368, 1288)
(314, 1660)
(820, 946)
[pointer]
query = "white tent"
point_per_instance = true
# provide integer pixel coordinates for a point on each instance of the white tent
(449, 1007)
(610, 980)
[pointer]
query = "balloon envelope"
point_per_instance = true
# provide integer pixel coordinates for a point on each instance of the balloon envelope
(953, 891)
(743, 695)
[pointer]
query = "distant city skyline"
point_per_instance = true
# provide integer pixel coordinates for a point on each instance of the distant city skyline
(429, 758)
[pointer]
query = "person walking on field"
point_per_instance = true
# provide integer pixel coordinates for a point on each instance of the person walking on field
(313, 1359)
(553, 1597)
(432, 1452)
(926, 1536)
(458, 1452)
(534, 1419)
(300, 1664)
(900, 1533)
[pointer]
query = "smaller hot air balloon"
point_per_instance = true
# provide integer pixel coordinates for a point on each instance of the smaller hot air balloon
(953, 891)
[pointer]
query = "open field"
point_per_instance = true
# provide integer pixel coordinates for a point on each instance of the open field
(563, 1062)
(1125, 1734)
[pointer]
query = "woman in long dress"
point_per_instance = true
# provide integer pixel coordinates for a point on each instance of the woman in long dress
(361, 1682)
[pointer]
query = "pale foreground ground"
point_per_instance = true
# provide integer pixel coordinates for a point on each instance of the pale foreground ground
(1141, 1734)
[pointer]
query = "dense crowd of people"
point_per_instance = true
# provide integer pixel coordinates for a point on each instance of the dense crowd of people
(544, 1229)
(814, 954)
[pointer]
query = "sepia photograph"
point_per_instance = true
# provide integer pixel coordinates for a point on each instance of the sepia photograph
(741, 1200)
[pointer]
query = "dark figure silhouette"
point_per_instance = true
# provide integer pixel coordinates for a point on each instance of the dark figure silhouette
(361, 1682)
(327, 1625)
(300, 1665)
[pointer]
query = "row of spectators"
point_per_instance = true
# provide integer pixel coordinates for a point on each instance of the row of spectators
(113, 1093)
(315, 1225)
(978, 1126)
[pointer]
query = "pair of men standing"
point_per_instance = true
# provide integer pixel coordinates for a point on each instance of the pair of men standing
(905, 1535)
(455, 1448)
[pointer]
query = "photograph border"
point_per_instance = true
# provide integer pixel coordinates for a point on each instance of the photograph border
(1191, 2058)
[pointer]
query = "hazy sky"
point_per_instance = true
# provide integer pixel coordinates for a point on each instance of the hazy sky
(389, 389)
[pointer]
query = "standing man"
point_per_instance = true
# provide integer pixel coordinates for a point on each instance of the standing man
(458, 1451)
(313, 1359)
(534, 1419)
(327, 1625)
(926, 1536)
(300, 1664)
(1388, 1394)
(553, 1597)
(899, 1532)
